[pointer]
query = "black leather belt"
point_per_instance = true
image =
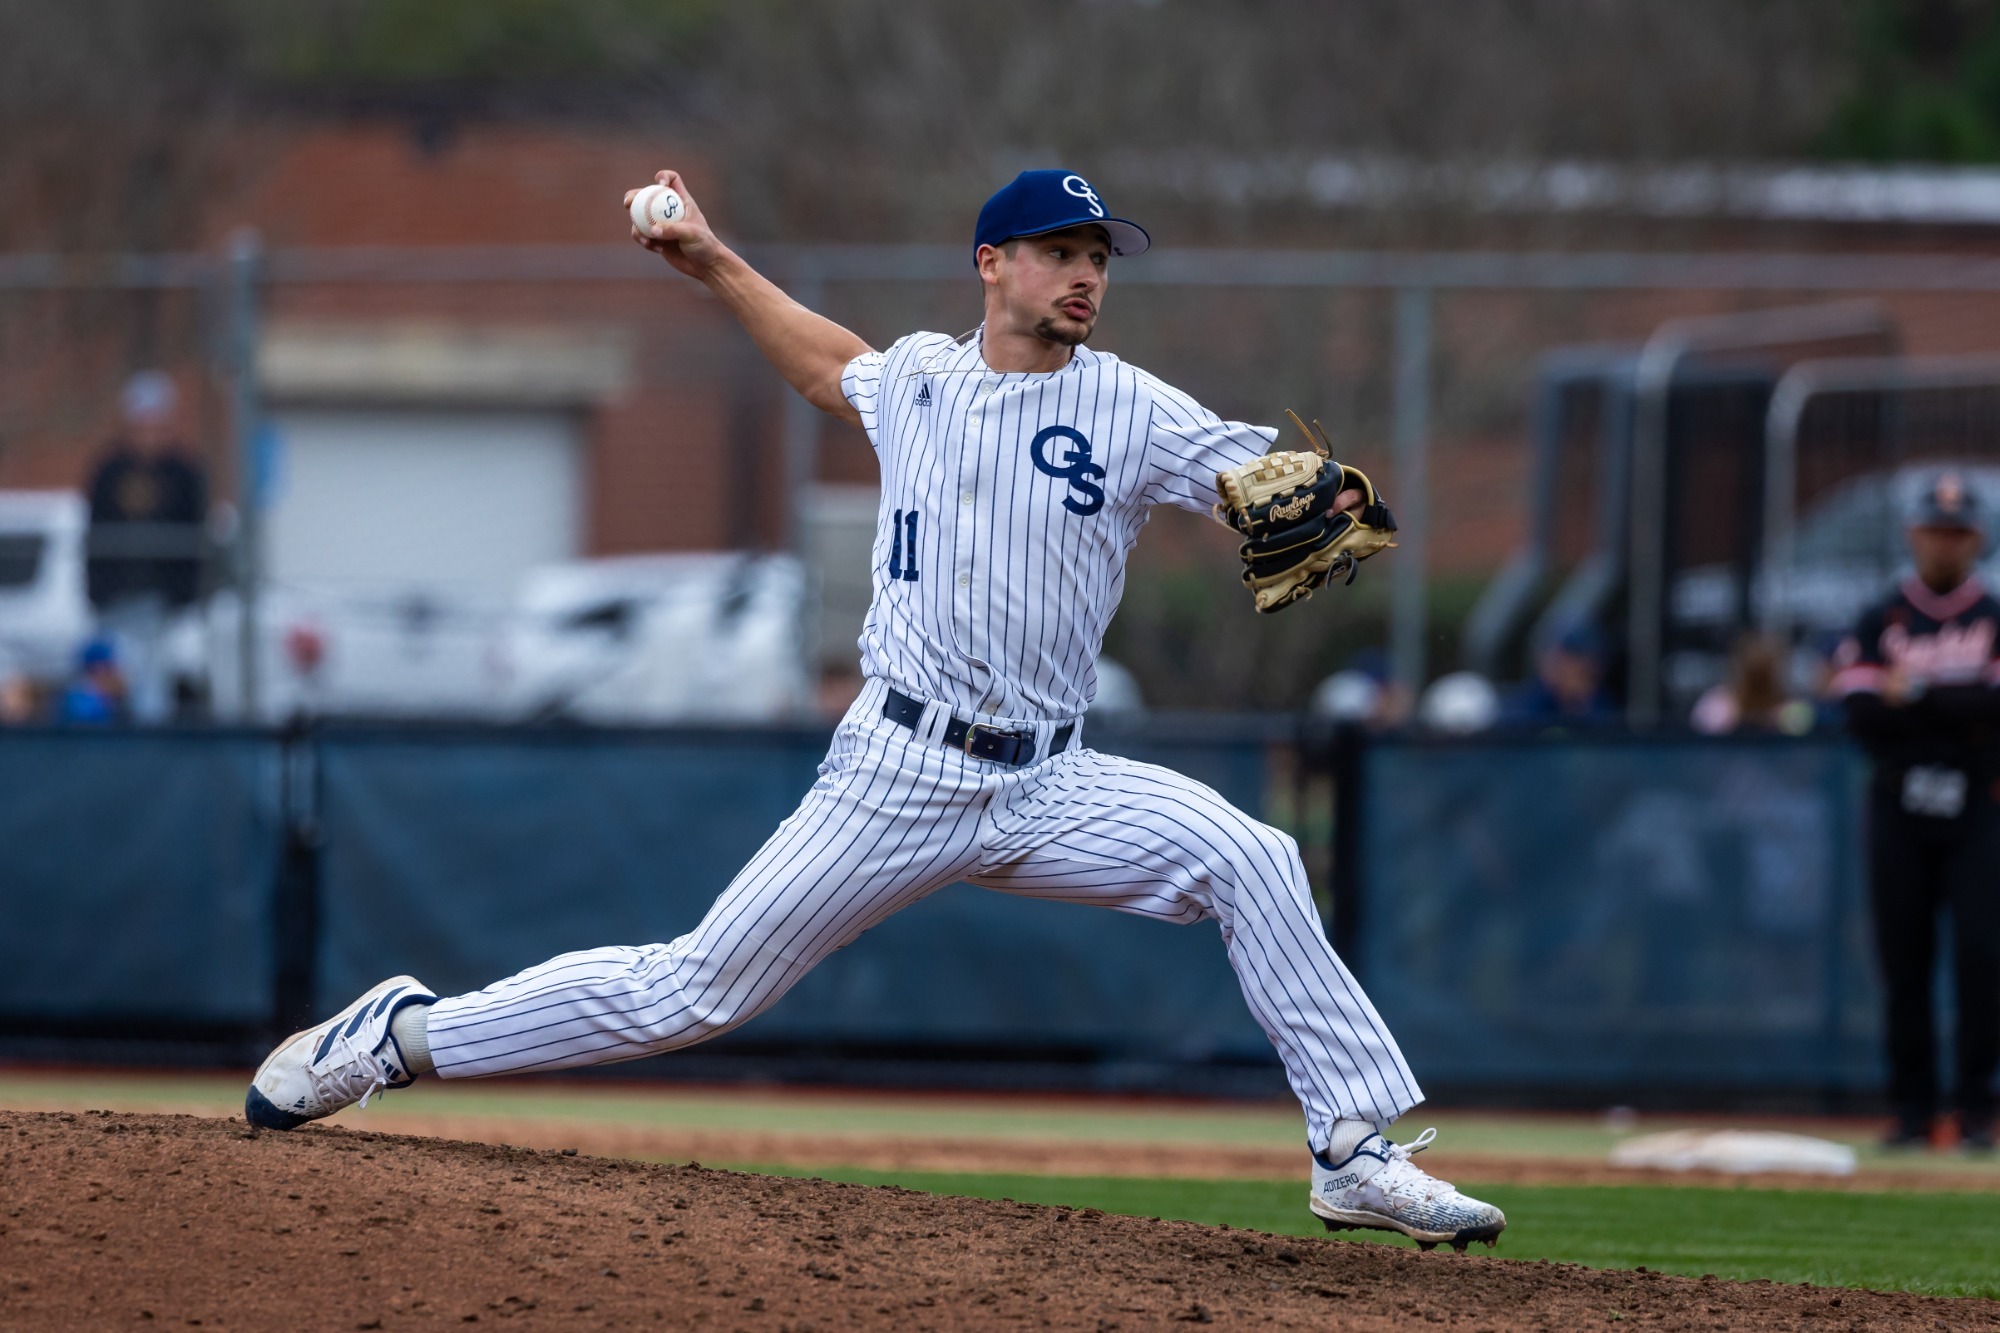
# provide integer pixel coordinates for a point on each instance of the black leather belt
(1012, 748)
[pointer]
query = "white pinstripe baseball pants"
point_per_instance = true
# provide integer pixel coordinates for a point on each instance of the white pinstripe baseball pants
(895, 817)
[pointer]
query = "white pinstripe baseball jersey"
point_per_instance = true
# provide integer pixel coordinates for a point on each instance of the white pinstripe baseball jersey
(1009, 505)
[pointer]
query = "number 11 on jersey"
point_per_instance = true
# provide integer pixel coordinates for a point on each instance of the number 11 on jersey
(899, 566)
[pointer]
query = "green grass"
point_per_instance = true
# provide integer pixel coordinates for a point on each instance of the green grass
(1938, 1244)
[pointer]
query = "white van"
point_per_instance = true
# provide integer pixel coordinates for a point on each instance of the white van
(45, 610)
(653, 639)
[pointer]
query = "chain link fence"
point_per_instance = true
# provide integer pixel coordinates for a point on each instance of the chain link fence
(603, 406)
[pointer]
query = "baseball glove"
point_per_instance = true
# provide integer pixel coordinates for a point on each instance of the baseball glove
(1294, 539)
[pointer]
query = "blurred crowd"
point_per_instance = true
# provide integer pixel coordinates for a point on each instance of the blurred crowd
(1770, 688)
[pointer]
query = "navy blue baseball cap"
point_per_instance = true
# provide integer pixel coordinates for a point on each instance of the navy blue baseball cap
(1947, 502)
(1035, 202)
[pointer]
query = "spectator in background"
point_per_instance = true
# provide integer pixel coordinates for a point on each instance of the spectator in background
(1755, 697)
(1463, 703)
(1921, 680)
(1363, 694)
(148, 500)
(96, 695)
(1568, 688)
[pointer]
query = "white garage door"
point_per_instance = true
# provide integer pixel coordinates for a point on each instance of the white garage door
(452, 504)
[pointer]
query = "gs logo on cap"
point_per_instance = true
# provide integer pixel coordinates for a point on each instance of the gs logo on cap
(1080, 187)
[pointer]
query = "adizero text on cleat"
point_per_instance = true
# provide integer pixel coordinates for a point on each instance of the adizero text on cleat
(347, 1059)
(1380, 1188)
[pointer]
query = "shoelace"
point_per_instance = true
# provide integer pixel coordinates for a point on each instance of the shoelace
(340, 1072)
(1415, 1145)
(1400, 1175)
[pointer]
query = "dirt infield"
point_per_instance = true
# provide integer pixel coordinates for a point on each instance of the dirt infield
(150, 1221)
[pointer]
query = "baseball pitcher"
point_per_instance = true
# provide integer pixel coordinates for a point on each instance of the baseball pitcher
(1018, 466)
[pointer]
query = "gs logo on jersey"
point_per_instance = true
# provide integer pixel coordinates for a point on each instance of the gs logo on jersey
(1076, 468)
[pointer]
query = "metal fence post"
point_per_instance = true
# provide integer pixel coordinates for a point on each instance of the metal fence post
(1408, 612)
(246, 420)
(295, 886)
(1347, 753)
(1646, 568)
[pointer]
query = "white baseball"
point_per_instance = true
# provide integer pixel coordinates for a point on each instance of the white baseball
(656, 204)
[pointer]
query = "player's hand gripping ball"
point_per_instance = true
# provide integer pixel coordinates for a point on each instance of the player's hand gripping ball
(1295, 540)
(656, 205)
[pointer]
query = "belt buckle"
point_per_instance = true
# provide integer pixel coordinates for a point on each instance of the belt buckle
(972, 730)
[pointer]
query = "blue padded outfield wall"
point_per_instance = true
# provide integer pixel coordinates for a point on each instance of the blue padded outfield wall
(1620, 913)
(136, 876)
(1574, 915)
(491, 853)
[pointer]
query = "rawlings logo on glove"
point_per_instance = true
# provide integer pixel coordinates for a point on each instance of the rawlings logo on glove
(1295, 540)
(1292, 509)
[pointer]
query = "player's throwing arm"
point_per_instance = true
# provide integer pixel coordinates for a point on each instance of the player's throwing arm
(808, 349)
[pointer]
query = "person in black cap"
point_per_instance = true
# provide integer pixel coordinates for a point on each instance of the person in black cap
(1920, 679)
(148, 501)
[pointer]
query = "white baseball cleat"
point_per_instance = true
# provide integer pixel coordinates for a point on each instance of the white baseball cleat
(347, 1059)
(1379, 1187)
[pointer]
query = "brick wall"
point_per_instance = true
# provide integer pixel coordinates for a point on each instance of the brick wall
(687, 456)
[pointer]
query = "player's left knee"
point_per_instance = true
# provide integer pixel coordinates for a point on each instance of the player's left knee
(1283, 851)
(1264, 855)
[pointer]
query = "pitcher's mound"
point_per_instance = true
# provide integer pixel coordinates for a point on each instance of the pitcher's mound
(111, 1220)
